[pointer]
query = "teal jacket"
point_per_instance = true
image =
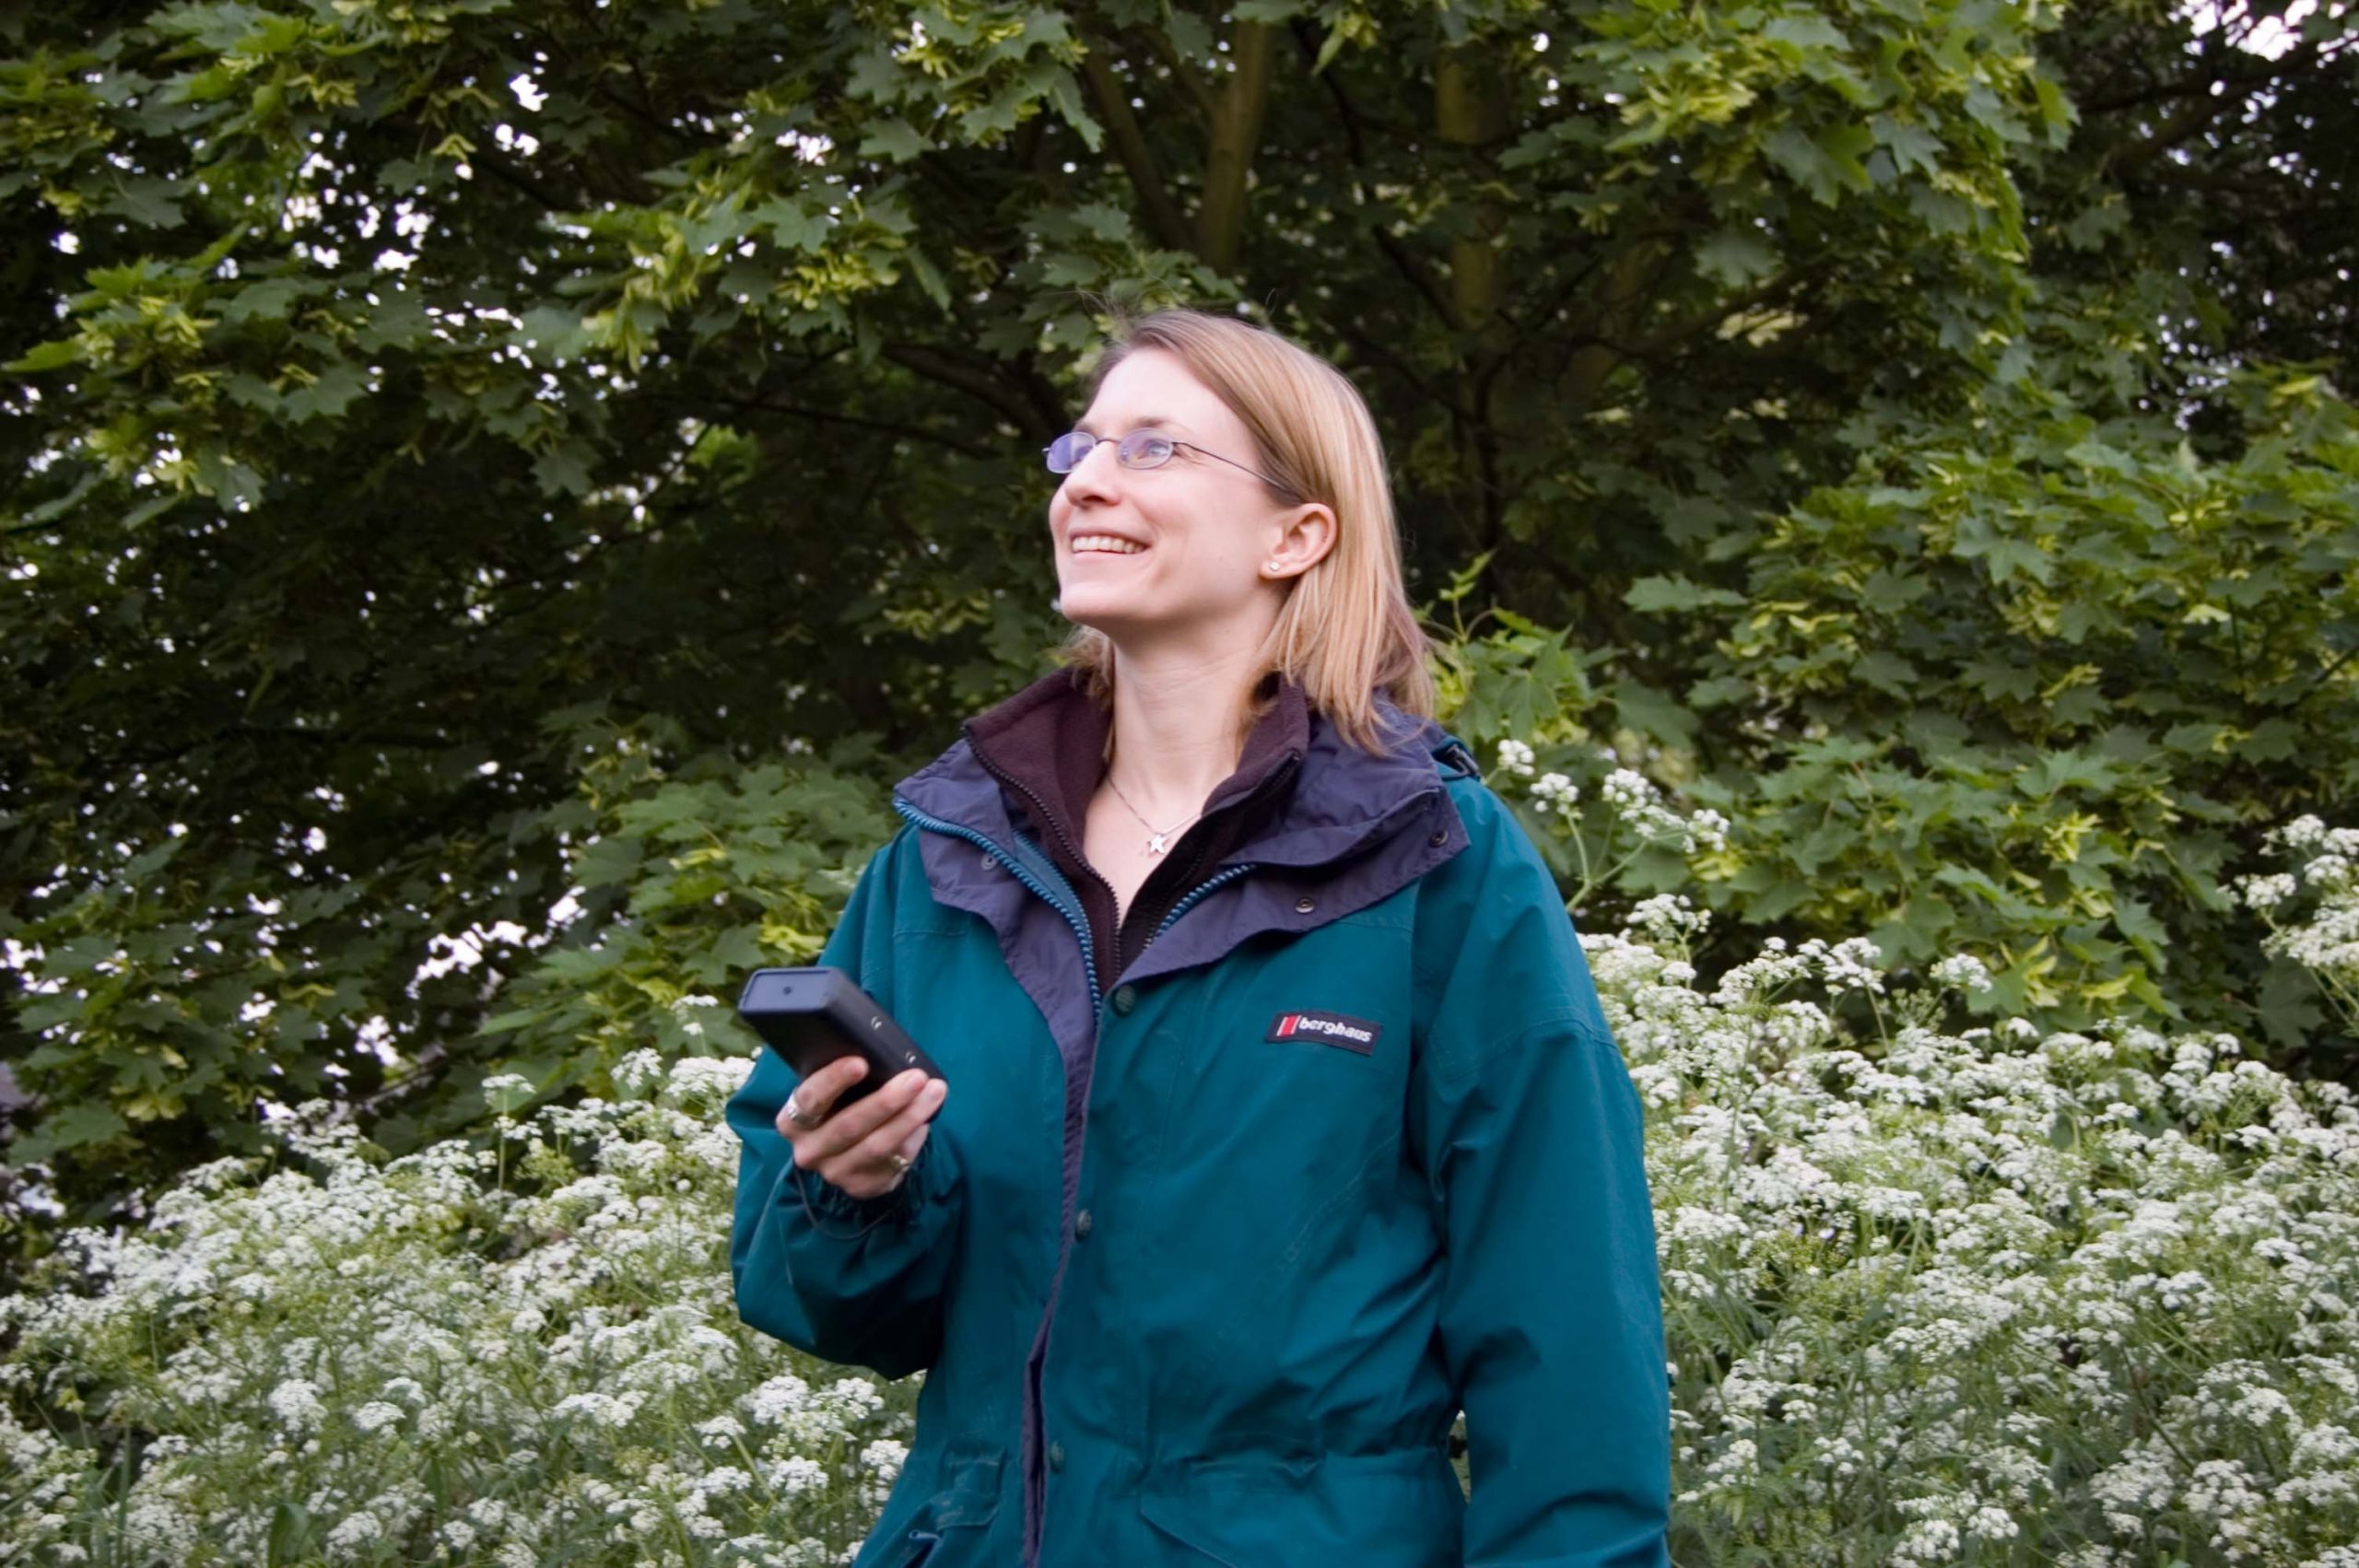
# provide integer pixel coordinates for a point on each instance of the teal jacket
(1358, 1152)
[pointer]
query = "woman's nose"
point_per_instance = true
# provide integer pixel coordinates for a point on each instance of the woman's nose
(1095, 476)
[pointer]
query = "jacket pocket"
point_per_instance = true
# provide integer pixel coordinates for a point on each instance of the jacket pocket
(1398, 1510)
(948, 1528)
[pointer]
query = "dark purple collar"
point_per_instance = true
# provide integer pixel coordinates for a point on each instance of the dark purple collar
(1050, 738)
(1049, 741)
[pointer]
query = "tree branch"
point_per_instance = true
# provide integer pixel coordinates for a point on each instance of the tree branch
(1625, 284)
(1405, 260)
(1184, 74)
(2201, 84)
(2205, 107)
(1164, 219)
(1236, 137)
(1376, 349)
(977, 381)
(826, 416)
(490, 160)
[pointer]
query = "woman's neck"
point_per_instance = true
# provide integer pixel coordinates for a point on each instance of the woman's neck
(1178, 731)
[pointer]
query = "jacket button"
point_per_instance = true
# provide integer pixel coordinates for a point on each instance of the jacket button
(1305, 905)
(1081, 1223)
(1441, 837)
(1056, 1456)
(1125, 999)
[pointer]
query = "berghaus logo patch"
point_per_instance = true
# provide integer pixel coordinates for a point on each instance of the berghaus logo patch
(1330, 1028)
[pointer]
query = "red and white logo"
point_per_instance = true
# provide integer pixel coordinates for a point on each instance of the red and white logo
(1329, 1028)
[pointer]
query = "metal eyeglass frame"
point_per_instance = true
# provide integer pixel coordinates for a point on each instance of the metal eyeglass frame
(1131, 449)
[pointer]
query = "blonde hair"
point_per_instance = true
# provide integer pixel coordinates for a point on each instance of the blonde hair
(1347, 631)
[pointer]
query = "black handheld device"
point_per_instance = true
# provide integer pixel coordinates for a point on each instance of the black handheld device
(812, 1016)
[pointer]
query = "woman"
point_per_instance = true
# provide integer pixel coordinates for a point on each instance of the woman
(1280, 1123)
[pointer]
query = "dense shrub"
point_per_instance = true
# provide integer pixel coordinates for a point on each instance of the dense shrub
(1936, 1292)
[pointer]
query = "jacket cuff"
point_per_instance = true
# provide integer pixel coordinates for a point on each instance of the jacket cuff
(837, 1213)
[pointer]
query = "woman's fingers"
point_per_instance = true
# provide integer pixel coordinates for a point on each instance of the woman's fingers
(848, 1126)
(915, 1142)
(817, 1094)
(843, 1126)
(870, 1157)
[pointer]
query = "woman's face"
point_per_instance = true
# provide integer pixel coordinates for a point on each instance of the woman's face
(1194, 534)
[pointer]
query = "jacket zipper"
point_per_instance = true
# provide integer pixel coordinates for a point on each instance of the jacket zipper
(1195, 896)
(1041, 813)
(1035, 1507)
(1023, 875)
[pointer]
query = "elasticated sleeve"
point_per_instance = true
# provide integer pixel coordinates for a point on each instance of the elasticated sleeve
(856, 1280)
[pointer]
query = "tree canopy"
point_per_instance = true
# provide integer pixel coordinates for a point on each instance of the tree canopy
(495, 492)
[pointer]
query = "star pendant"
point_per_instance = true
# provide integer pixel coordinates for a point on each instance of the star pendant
(1154, 843)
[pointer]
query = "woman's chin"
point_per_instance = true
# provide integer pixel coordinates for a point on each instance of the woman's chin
(1090, 604)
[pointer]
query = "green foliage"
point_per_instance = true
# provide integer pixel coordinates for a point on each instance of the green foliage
(2033, 687)
(683, 877)
(389, 379)
(685, 880)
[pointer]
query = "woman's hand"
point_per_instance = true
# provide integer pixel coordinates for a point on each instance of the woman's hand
(852, 1149)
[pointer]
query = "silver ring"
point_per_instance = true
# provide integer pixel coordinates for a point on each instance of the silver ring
(900, 1161)
(800, 1118)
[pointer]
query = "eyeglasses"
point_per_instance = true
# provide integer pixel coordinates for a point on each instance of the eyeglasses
(1140, 448)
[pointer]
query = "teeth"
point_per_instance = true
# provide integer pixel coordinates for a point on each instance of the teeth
(1104, 542)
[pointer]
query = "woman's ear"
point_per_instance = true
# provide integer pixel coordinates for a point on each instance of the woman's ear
(1309, 532)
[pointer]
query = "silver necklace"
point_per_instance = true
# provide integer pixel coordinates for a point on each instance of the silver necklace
(1154, 836)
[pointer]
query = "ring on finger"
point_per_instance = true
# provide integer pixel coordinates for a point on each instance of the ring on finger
(898, 1160)
(800, 1118)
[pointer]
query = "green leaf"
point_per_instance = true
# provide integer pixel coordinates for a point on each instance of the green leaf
(1913, 147)
(793, 225)
(1806, 31)
(892, 141)
(2066, 771)
(564, 469)
(552, 334)
(65, 1129)
(2135, 920)
(49, 355)
(1885, 671)
(269, 299)
(1653, 712)
(147, 202)
(328, 395)
(1735, 257)
(1825, 164)
(290, 1535)
(1655, 595)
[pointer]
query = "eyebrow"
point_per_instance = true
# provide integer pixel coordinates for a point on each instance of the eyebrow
(1156, 420)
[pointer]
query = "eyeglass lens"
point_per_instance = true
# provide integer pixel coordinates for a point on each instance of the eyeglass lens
(1140, 448)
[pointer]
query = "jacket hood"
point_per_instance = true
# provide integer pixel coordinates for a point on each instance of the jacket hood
(1342, 799)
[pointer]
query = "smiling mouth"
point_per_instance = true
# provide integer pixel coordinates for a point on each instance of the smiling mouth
(1104, 544)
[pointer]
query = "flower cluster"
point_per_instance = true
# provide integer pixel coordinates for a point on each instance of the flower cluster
(1633, 816)
(1634, 799)
(2325, 939)
(1992, 1293)
(364, 1360)
(1935, 1292)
